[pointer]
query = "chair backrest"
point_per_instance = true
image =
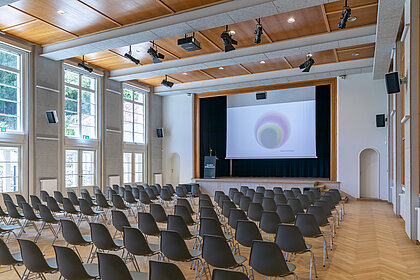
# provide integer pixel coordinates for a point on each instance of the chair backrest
(158, 213)
(69, 264)
(269, 193)
(237, 197)
(52, 204)
(258, 197)
(244, 189)
(119, 220)
(68, 206)
(208, 212)
(217, 253)
(288, 194)
(101, 237)
(135, 242)
(210, 226)
(308, 225)
(85, 207)
(204, 203)
(35, 201)
(150, 193)
(296, 206)
(73, 198)
(129, 197)
(58, 196)
(20, 199)
(290, 239)
(181, 191)
(304, 200)
(183, 211)
(173, 246)
(112, 267)
(310, 196)
(246, 232)
(186, 203)
(46, 215)
(87, 197)
(118, 202)
(71, 233)
(285, 213)
(316, 192)
(269, 204)
(136, 192)
(255, 211)
(260, 189)
(144, 197)
(155, 190)
(324, 206)
(227, 206)
(244, 203)
(44, 195)
(12, 210)
(7, 197)
(232, 192)
(279, 198)
(319, 214)
(147, 224)
(269, 222)
(275, 265)
(223, 274)
(296, 191)
(101, 201)
(277, 190)
(32, 257)
(28, 211)
(195, 189)
(6, 258)
(164, 270)
(121, 191)
(217, 195)
(235, 215)
(165, 195)
(177, 223)
(250, 193)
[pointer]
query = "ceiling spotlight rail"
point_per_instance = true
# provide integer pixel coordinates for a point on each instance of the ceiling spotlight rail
(84, 66)
(131, 57)
(154, 54)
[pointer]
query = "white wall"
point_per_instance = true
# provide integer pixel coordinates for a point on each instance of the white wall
(177, 119)
(360, 99)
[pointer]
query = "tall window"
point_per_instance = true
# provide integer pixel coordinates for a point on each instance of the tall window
(80, 105)
(80, 168)
(133, 110)
(9, 169)
(133, 167)
(10, 91)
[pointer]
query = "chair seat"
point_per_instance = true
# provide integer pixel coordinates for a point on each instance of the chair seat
(291, 267)
(87, 238)
(17, 256)
(154, 247)
(240, 259)
(118, 242)
(61, 218)
(139, 275)
(228, 236)
(97, 212)
(52, 262)
(92, 269)
(8, 227)
(195, 253)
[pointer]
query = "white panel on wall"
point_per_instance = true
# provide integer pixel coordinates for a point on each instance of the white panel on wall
(49, 185)
(114, 180)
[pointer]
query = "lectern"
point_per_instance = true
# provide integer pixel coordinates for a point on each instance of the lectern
(209, 167)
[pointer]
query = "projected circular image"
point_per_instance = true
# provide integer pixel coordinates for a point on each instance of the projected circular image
(272, 130)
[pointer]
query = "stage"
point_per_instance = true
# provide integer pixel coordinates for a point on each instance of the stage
(224, 183)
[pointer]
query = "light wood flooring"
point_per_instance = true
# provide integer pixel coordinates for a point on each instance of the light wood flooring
(370, 244)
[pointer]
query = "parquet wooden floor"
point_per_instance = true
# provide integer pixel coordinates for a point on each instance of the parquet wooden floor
(370, 244)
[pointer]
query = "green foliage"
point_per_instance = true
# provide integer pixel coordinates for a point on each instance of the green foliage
(8, 78)
(9, 60)
(71, 77)
(128, 94)
(9, 93)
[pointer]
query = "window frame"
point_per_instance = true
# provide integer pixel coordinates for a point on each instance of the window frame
(79, 166)
(133, 164)
(19, 164)
(132, 121)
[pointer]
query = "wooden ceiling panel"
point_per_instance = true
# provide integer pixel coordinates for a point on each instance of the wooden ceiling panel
(11, 17)
(156, 81)
(186, 5)
(40, 33)
(363, 51)
(365, 16)
(319, 58)
(308, 21)
(269, 65)
(131, 11)
(139, 51)
(191, 76)
(227, 71)
(337, 6)
(108, 60)
(78, 18)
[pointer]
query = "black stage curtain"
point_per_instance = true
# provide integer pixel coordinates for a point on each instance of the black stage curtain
(213, 134)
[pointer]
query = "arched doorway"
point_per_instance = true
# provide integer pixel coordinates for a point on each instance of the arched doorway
(369, 174)
(174, 171)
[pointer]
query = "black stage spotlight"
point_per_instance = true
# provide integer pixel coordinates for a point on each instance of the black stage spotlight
(132, 58)
(306, 66)
(345, 14)
(155, 55)
(84, 66)
(228, 41)
(167, 83)
(258, 32)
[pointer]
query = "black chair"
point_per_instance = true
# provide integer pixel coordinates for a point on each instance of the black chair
(7, 197)
(237, 197)
(147, 224)
(14, 215)
(49, 220)
(74, 237)
(269, 193)
(70, 209)
(255, 211)
(260, 189)
(279, 198)
(309, 228)
(20, 199)
(304, 200)
(224, 274)
(290, 240)
(178, 224)
(88, 213)
(103, 203)
(277, 190)
(3, 216)
(227, 206)
(9, 259)
(310, 196)
(144, 199)
(44, 196)
(269, 222)
(296, 206)
(151, 193)
(88, 198)
(119, 221)
(71, 267)
(322, 220)
(234, 216)
(136, 192)
(195, 190)
(250, 193)
(30, 217)
(258, 197)
(34, 260)
(269, 204)
(285, 213)
(204, 203)
(121, 191)
(53, 205)
(165, 196)
(164, 270)
(129, 198)
(136, 245)
(244, 203)
(246, 232)
(8, 229)
(288, 194)
(232, 192)
(181, 191)
(183, 211)
(217, 253)
(210, 226)
(58, 197)
(296, 191)
(158, 213)
(73, 198)
(119, 204)
(102, 239)
(273, 266)
(244, 189)
(112, 267)
(173, 247)
(35, 201)
(209, 212)
(186, 203)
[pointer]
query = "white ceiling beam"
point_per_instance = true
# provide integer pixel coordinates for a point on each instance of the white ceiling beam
(7, 2)
(321, 42)
(388, 23)
(269, 78)
(175, 25)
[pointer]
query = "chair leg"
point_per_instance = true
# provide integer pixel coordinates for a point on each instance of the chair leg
(17, 272)
(39, 232)
(22, 229)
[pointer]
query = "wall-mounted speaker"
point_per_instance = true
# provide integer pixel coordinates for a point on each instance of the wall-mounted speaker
(52, 116)
(392, 81)
(380, 120)
(159, 132)
(261, 95)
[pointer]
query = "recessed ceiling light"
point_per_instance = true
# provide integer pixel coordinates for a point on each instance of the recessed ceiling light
(60, 12)
(350, 19)
(221, 68)
(291, 20)
(185, 73)
(355, 54)
(262, 62)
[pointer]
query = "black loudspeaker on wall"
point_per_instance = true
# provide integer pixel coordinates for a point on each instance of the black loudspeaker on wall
(52, 116)
(380, 120)
(159, 132)
(392, 81)
(261, 95)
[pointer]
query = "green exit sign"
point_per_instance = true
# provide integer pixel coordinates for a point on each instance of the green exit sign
(3, 129)
(85, 137)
